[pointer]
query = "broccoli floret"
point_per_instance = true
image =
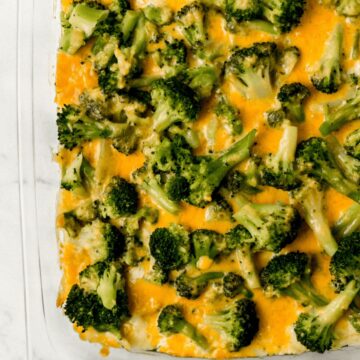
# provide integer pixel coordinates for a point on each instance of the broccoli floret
(348, 222)
(234, 285)
(272, 226)
(202, 80)
(75, 128)
(349, 165)
(190, 20)
(77, 218)
(207, 243)
(290, 275)
(314, 329)
(289, 58)
(120, 199)
(170, 247)
(148, 182)
(237, 182)
(173, 57)
(278, 170)
(229, 116)
(239, 239)
(352, 144)
(218, 209)
(101, 241)
(177, 188)
(242, 10)
(309, 200)
(348, 8)
(192, 287)
(283, 15)
(171, 321)
(80, 26)
(341, 113)
(157, 275)
(354, 318)
(238, 323)
(100, 300)
(345, 264)
(207, 177)
(251, 70)
(314, 158)
(292, 97)
(158, 15)
(327, 78)
(78, 176)
(119, 7)
(174, 102)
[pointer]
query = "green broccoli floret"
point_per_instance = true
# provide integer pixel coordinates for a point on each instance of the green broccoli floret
(207, 243)
(290, 275)
(242, 10)
(75, 128)
(174, 102)
(78, 176)
(173, 57)
(202, 80)
(157, 275)
(315, 329)
(292, 97)
(272, 226)
(238, 182)
(119, 199)
(354, 317)
(229, 116)
(238, 323)
(170, 247)
(278, 170)
(348, 223)
(192, 287)
(251, 70)
(289, 58)
(239, 239)
(100, 300)
(207, 176)
(341, 113)
(352, 144)
(101, 241)
(348, 8)
(349, 165)
(77, 218)
(190, 20)
(327, 78)
(80, 26)
(177, 188)
(149, 182)
(314, 158)
(158, 15)
(234, 285)
(283, 15)
(171, 321)
(345, 264)
(309, 200)
(219, 209)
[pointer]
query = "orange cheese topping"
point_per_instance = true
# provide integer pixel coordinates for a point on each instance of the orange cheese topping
(74, 75)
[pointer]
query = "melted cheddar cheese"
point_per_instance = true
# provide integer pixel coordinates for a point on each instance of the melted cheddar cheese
(277, 315)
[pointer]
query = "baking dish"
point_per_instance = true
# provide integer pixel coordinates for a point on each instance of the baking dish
(49, 333)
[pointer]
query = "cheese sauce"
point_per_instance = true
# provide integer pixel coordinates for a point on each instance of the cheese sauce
(74, 75)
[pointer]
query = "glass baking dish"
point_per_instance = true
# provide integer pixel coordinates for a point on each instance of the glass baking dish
(49, 334)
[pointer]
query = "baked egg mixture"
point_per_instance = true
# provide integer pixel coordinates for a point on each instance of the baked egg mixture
(210, 163)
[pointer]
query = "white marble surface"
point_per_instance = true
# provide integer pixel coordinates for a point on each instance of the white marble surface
(12, 316)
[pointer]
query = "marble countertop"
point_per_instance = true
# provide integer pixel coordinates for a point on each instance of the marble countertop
(12, 313)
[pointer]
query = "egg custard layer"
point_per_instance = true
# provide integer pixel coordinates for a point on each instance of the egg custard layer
(171, 242)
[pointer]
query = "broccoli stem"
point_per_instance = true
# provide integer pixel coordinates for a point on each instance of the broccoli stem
(349, 165)
(287, 148)
(332, 312)
(348, 223)
(304, 292)
(247, 267)
(218, 168)
(162, 118)
(190, 331)
(311, 208)
(160, 197)
(263, 25)
(355, 49)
